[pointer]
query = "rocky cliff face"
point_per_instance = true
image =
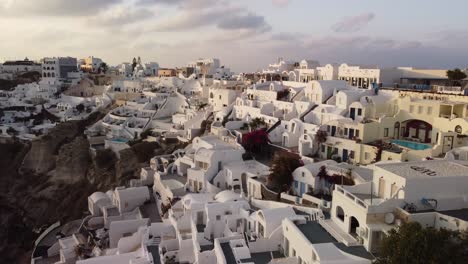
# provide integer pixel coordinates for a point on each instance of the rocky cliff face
(50, 179)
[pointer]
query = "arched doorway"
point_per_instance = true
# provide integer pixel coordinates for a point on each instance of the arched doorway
(244, 182)
(339, 213)
(353, 225)
(396, 130)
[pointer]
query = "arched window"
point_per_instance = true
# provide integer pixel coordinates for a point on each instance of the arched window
(48, 68)
(48, 74)
(211, 95)
(45, 74)
(340, 213)
(53, 74)
(458, 129)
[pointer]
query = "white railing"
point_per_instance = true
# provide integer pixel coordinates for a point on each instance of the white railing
(351, 196)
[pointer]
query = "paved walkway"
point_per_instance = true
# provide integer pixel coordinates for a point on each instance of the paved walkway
(338, 234)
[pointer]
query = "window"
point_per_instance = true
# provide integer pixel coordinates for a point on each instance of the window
(339, 213)
(346, 131)
(305, 131)
(328, 128)
(429, 110)
(322, 148)
(357, 133)
(285, 126)
(411, 108)
(458, 129)
(420, 109)
(218, 217)
(286, 246)
(359, 112)
(303, 174)
(305, 137)
(385, 132)
(367, 156)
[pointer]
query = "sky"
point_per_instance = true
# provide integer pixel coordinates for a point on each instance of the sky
(246, 35)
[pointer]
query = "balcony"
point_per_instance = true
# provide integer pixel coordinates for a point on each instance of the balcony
(363, 200)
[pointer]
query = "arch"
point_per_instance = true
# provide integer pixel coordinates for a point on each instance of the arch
(339, 213)
(48, 74)
(396, 130)
(420, 129)
(292, 76)
(285, 141)
(244, 182)
(353, 225)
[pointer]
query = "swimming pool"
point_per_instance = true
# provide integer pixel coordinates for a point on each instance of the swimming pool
(411, 145)
(120, 140)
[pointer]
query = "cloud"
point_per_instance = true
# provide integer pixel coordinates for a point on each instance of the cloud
(223, 17)
(287, 36)
(281, 3)
(55, 7)
(353, 24)
(120, 15)
(249, 21)
(183, 4)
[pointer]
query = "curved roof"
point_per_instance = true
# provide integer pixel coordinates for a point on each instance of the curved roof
(98, 196)
(276, 214)
(227, 196)
(192, 85)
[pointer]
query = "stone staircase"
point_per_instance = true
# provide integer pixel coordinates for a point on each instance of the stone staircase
(155, 241)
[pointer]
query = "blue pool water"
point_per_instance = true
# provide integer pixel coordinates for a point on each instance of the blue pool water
(120, 140)
(411, 145)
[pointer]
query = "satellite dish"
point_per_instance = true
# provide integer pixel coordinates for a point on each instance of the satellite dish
(389, 218)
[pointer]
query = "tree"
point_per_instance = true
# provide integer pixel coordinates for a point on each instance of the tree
(455, 76)
(320, 137)
(283, 165)
(202, 106)
(80, 108)
(411, 243)
(134, 64)
(257, 123)
(103, 68)
(255, 141)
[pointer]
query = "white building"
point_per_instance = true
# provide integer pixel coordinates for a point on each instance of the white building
(57, 69)
(357, 76)
(20, 66)
(90, 64)
(429, 192)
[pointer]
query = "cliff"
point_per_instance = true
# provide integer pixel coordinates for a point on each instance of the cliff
(51, 178)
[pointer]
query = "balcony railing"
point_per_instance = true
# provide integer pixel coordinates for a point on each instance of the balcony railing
(351, 196)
